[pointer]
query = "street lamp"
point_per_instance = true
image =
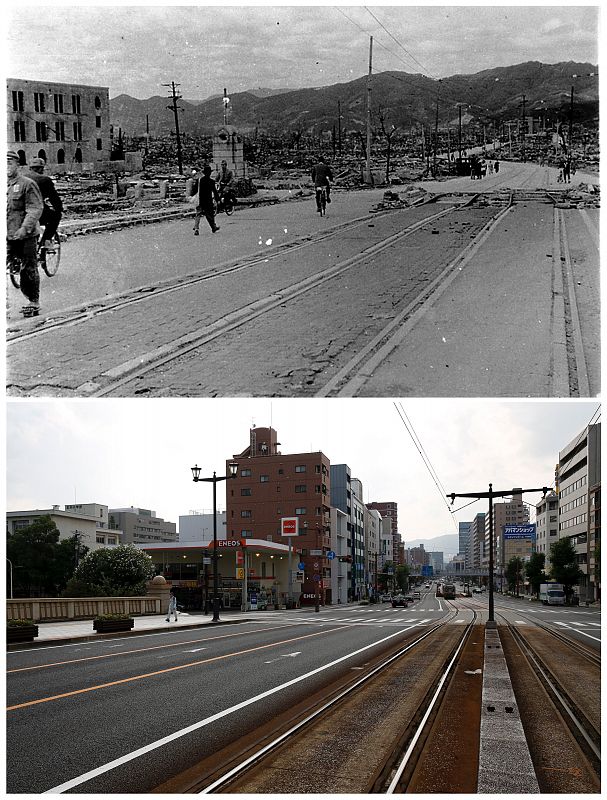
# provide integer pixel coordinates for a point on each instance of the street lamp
(233, 469)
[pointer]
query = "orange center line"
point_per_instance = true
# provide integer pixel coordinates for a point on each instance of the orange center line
(170, 669)
(140, 650)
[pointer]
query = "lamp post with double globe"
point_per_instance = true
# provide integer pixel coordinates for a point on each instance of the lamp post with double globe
(233, 469)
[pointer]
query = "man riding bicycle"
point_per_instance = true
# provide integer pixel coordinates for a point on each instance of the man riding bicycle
(322, 175)
(53, 207)
(23, 210)
(225, 181)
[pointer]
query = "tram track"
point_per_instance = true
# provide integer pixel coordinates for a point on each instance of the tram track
(257, 761)
(554, 674)
(79, 315)
(154, 360)
(112, 380)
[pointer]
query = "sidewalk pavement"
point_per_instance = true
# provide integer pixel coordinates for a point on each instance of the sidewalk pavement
(69, 631)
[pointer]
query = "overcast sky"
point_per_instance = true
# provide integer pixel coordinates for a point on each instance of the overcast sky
(139, 452)
(135, 49)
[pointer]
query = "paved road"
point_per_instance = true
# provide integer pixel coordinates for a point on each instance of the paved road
(124, 714)
(496, 328)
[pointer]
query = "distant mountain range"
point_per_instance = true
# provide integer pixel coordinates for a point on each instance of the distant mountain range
(448, 544)
(408, 100)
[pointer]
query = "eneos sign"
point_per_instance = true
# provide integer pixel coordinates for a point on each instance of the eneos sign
(289, 526)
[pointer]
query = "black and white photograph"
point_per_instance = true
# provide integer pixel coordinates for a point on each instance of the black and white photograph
(303, 201)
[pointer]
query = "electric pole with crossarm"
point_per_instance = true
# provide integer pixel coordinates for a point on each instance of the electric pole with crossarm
(490, 495)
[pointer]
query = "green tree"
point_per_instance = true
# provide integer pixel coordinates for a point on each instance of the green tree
(69, 554)
(112, 572)
(534, 569)
(402, 576)
(32, 552)
(514, 574)
(564, 565)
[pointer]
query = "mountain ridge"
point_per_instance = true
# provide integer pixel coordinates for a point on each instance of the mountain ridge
(408, 100)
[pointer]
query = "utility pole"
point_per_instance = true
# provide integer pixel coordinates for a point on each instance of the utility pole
(571, 123)
(175, 109)
(459, 132)
(490, 495)
(524, 127)
(436, 131)
(369, 176)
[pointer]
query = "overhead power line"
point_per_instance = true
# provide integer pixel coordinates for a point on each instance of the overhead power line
(383, 46)
(423, 68)
(424, 456)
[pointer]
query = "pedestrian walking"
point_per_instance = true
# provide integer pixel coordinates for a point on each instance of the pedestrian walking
(207, 193)
(497, 167)
(172, 606)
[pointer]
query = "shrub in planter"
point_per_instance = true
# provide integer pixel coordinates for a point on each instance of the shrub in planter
(112, 623)
(21, 630)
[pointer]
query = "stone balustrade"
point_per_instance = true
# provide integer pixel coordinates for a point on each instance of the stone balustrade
(53, 609)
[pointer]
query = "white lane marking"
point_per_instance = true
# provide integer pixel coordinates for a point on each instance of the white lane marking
(172, 737)
(284, 655)
(520, 621)
(460, 622)
(594, 638)
(195, 650)
(569, 628)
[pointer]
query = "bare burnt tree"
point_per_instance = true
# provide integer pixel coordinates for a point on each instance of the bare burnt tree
(387, 133)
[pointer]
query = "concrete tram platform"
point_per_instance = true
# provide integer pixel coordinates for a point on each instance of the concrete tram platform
(505, 765)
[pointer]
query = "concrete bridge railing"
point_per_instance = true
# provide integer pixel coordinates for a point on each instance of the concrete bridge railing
(52, 609)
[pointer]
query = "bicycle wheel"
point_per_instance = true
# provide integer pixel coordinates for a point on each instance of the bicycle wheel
(228, 207)
(14, 265)
(323, 202)
(50, 256)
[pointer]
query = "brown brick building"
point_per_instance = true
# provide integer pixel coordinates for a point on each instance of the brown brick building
(270, 486)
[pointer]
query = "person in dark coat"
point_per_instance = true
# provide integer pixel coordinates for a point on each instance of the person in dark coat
(207, 193)
(322, 176)
(53, 206)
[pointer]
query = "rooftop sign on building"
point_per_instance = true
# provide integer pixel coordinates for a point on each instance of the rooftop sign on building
(519, 531)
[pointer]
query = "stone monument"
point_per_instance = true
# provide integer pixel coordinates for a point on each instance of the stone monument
(227, 145)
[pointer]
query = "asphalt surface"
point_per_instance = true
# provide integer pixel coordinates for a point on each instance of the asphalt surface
(101, 702)
(138, 709)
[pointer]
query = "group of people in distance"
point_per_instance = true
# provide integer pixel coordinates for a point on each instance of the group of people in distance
(31, 201)
(479, 167)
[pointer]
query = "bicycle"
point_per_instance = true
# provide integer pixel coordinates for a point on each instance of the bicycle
(226, 204)
(321, 200)
(48, 259)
